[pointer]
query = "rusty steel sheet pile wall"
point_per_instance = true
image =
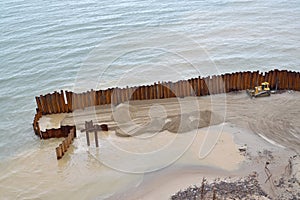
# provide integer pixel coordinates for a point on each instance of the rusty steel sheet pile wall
(67, 101)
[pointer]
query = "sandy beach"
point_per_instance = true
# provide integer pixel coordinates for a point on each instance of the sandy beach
(225, 137)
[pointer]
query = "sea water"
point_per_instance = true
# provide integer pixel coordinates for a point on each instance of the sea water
(53, 45)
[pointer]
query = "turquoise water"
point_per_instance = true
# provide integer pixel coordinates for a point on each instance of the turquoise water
(43, 45)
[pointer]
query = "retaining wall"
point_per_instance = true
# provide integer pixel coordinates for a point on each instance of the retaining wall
(67, 101)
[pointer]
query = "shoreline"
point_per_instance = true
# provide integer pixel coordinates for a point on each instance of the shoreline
(165, 183)
(245, 119)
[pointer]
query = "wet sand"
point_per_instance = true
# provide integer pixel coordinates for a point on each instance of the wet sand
(269, 127)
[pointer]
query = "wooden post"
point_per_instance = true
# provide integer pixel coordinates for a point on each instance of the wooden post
(89, 98)
(234, 81)
(255, 79)
(72, 133)
(285, 78)
(159, 90)
(142, 91)
(198, 86)
(114, 100)
(175, 89)
(226, 82)
(201, 88)
(219, 84)
(38, 103)
(119, 96)
(269, 78)
(222, 84)
(69, 139)
(86, 99)
(87, 138)
(172, 90)
(155, 91)
(246, 81)
(69, 96)
(181, 89)
(100, 97)
(150, 89)
(133, 93)
(44, 106)
(166, 90)
(52, 101)
(274, 80)
(65, 145)
(289, 80)
(109, 97)
(122, 95)
(126, 94)
(82, 100)
(238, 81)
(207, 86)
(58, 152)
(147, 92)
(62, 103)
(178, 89)
(136, 95)
(62, 148)
(169, 89)
(59, 103)
(48, 103)
(193, 86)
(129, 93)
(69, 101)
(187, 88)
(297, 81)
(279, 80)
(96, 139)
(261, 78)
(55, 102)
(76, 101)
(212, 85)
(230, 82)
(293, 77)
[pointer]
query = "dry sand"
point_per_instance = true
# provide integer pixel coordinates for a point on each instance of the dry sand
(268, 127)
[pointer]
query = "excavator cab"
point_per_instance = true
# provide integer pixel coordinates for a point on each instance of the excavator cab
(265, 86)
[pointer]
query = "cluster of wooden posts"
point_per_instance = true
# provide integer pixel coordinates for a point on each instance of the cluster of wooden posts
(67, 101)
(63, 147)
(90, 127)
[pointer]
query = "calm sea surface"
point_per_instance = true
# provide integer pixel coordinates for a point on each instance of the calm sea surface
(49, 45)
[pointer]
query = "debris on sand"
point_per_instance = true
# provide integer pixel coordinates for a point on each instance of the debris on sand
(243, 188)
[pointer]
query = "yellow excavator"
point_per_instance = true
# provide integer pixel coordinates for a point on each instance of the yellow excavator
(260, 91)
